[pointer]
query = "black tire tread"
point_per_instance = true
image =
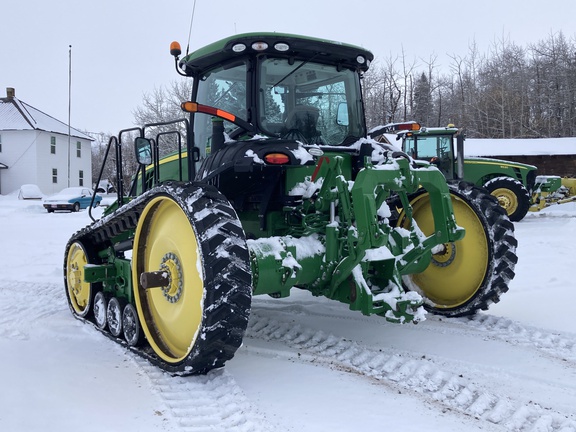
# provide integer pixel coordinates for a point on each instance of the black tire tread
(518, 189)
(502, 245)
(502, 250)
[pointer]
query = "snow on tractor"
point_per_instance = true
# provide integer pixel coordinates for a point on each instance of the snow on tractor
(515, 185)
(276, 185)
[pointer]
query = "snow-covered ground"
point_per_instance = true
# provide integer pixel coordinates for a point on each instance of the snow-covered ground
(307, 364)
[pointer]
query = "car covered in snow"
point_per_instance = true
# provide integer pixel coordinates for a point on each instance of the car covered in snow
(30, 191)
(72, 199)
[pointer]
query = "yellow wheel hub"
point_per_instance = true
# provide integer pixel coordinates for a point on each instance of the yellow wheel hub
(445, 256)
(507, 199)
(172, 266)
(79, 292)
(457, 270)
(171, 316)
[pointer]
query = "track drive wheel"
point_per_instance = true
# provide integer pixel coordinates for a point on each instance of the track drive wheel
(468, 275)
(79, 293)
(191, 235)
(511, 195)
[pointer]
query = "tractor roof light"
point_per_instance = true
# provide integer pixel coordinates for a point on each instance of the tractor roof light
(277, 158)
(361, 59)
(259, 46)
(175, 49)
(408, 126)
(281, 46)
(239, 47)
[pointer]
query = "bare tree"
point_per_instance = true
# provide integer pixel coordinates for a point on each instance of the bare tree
(163, 105)
(382, 93)
(554, 93)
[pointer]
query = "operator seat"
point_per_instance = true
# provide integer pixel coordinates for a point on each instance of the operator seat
(301, 124)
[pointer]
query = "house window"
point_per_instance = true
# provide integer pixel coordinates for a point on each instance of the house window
(54, 175)
(53, 145)
(80, 177)
(79, 150)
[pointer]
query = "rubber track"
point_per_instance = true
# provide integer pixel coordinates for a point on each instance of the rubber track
(227, 278)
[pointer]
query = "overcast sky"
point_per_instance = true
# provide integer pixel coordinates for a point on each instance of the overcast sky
(120, 49)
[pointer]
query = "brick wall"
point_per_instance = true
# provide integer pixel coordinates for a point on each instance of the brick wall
(560, 165)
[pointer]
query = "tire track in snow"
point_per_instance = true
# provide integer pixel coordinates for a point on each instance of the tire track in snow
(554, 344)
(418, 375)
(212, 402)
(23, 303)
(215, 402)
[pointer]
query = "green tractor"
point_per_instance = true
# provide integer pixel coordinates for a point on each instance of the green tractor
(276, 185)
(515, 185)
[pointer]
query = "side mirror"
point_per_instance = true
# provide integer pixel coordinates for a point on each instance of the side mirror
(342, 114)
(143, 148)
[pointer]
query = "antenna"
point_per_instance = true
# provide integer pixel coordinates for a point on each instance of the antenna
(69, 103)
(190, 31)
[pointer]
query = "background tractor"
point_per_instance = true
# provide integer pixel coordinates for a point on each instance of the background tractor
(273, 184)
(516, 186)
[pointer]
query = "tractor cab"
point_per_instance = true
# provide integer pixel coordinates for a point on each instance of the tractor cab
(430, 145)
(434, 145)
(276, 87)
(264, 107)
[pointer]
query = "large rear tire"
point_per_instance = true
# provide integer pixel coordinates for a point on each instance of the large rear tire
(193, 235)
(511, 195)
(470, 274)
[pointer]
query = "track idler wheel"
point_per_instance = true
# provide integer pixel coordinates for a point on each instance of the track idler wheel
(191, 276)
(79, 293)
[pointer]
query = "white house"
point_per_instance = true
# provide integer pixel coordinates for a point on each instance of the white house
(35, 148)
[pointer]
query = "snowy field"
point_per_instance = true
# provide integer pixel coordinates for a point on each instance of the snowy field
(307, 364)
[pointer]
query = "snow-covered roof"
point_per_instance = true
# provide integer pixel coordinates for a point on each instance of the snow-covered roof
(519, 147)
(512, 146)
(18, 115)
